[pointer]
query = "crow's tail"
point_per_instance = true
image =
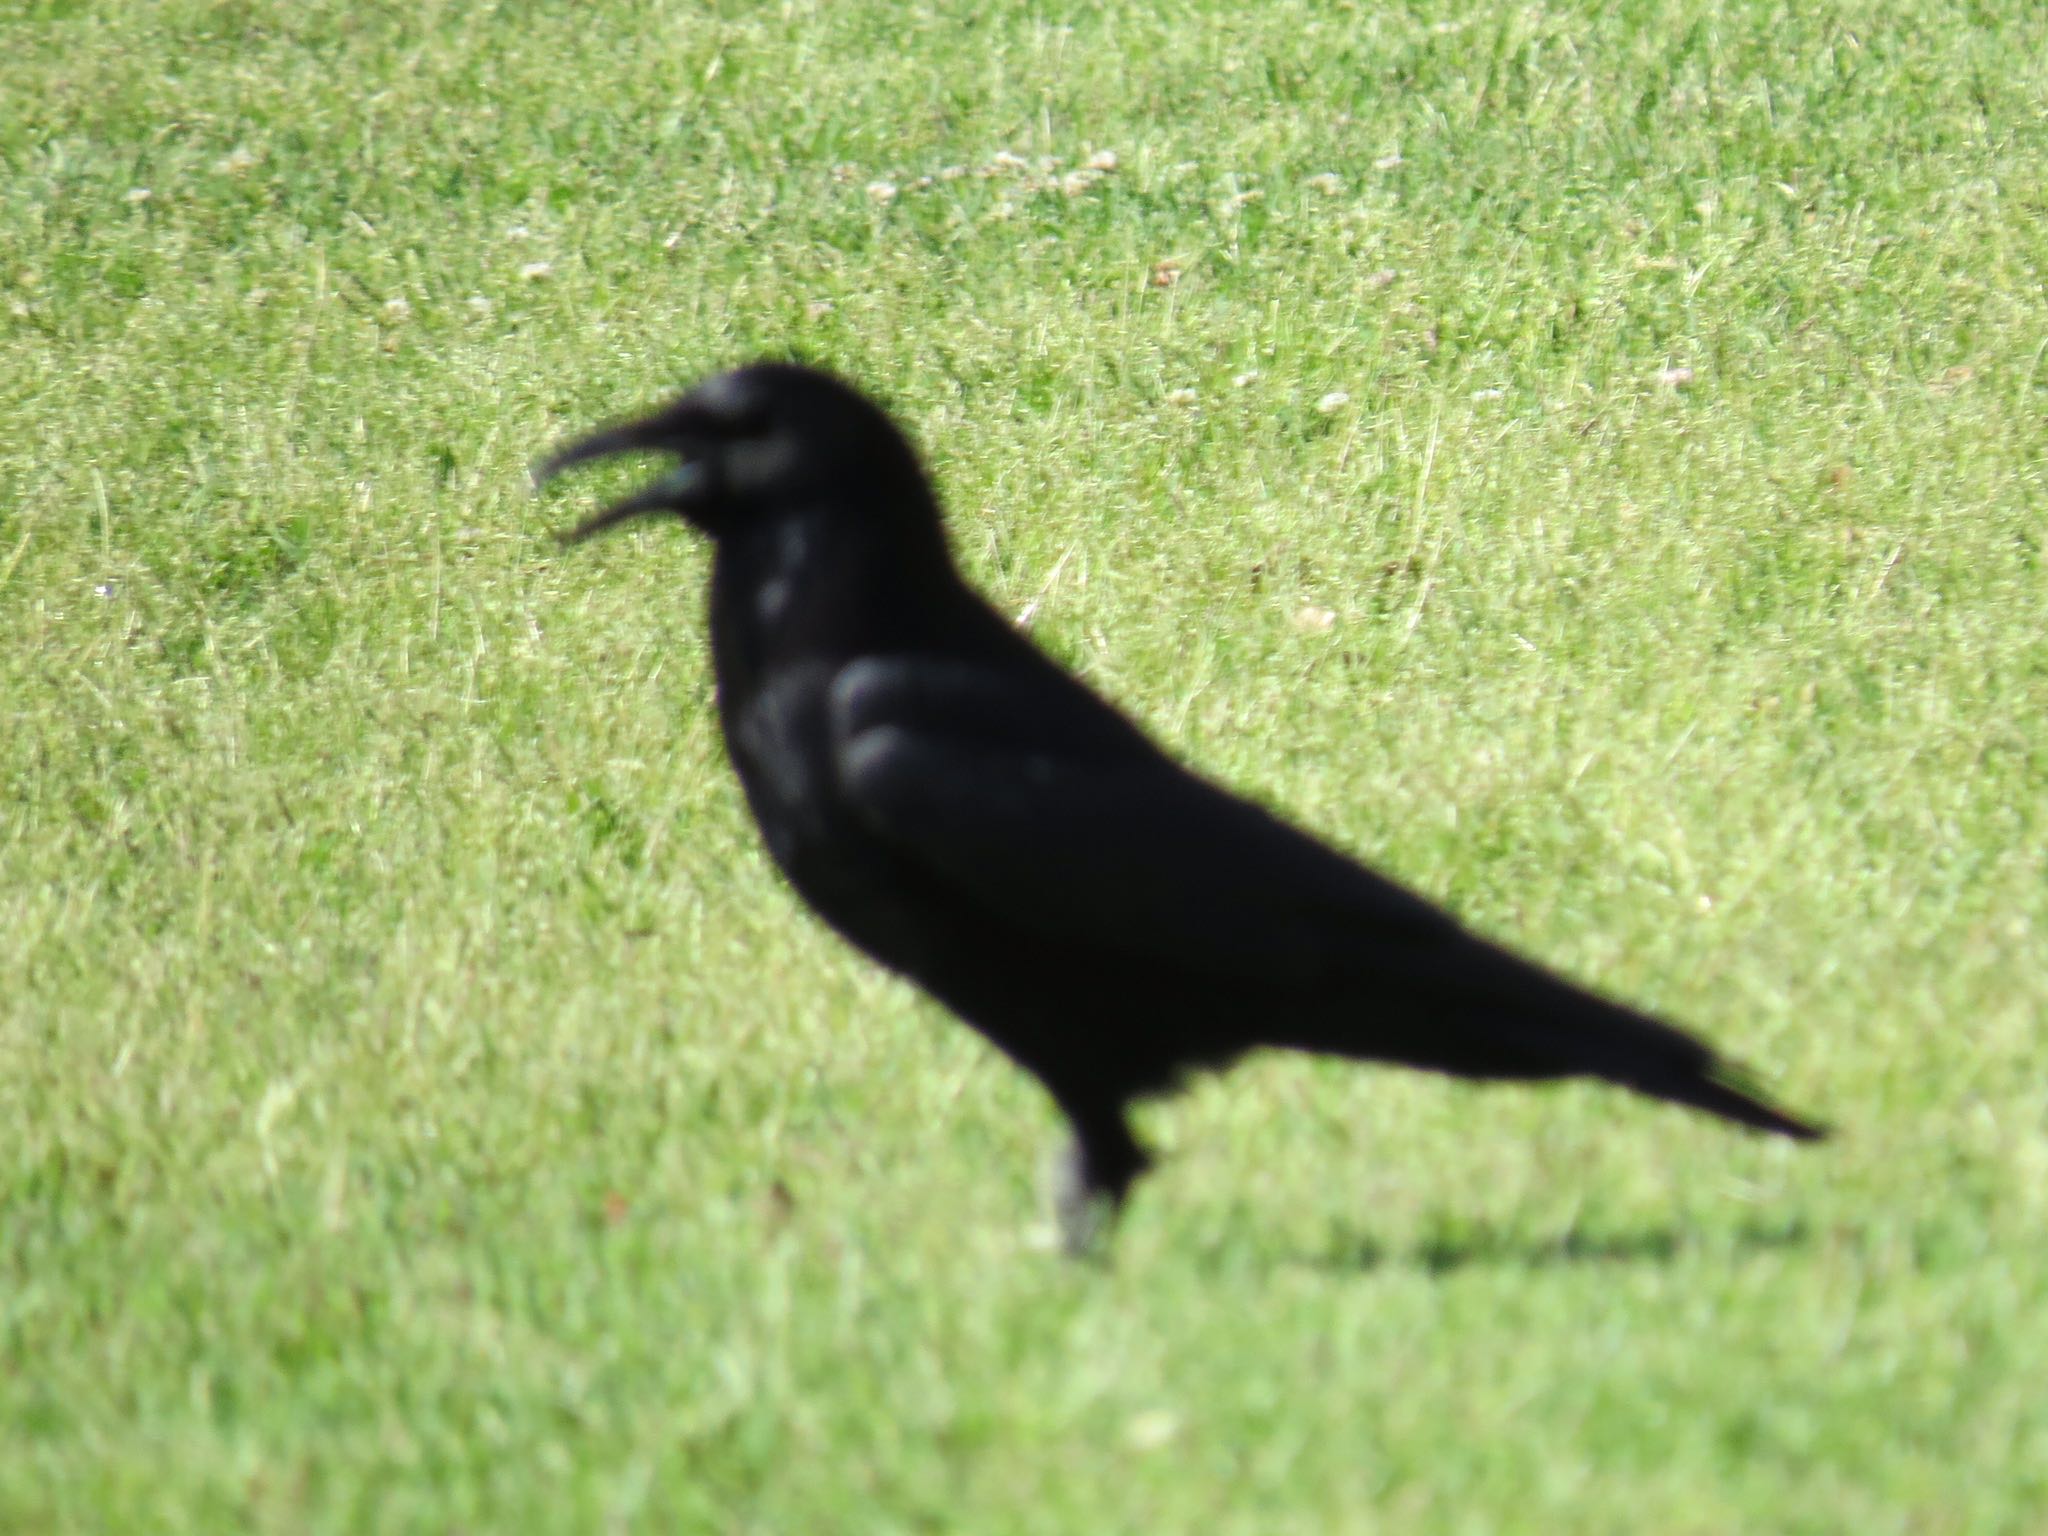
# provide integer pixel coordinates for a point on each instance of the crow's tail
(1639, 1052)
(1476, 1011)
(1721, 1090)
(1579, 1032)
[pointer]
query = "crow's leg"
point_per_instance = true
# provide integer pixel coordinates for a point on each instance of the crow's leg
(1094, 1174)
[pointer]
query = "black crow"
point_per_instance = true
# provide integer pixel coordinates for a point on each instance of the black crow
(968, 814)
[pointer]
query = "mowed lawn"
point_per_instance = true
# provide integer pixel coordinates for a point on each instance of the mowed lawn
(1587, 460)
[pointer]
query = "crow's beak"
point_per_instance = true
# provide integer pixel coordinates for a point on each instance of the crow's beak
(682, 429)
(673, 492)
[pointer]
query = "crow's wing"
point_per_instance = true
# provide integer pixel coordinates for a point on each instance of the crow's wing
(1025, 796)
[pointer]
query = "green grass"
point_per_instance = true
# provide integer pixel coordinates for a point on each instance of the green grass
(424, 1109)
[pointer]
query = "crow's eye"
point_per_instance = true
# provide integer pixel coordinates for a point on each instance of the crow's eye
(742, 419)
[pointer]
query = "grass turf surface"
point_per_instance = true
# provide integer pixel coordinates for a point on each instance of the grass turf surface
(424, 1109)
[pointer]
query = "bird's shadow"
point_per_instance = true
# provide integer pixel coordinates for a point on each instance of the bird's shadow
(1486, 1248)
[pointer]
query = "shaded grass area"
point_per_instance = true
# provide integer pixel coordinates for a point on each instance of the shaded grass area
(425, 1109)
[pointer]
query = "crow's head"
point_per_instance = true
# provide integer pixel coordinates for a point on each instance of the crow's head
(761, 442)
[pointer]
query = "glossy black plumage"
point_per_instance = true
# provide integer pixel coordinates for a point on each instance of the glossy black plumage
(962, 810)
